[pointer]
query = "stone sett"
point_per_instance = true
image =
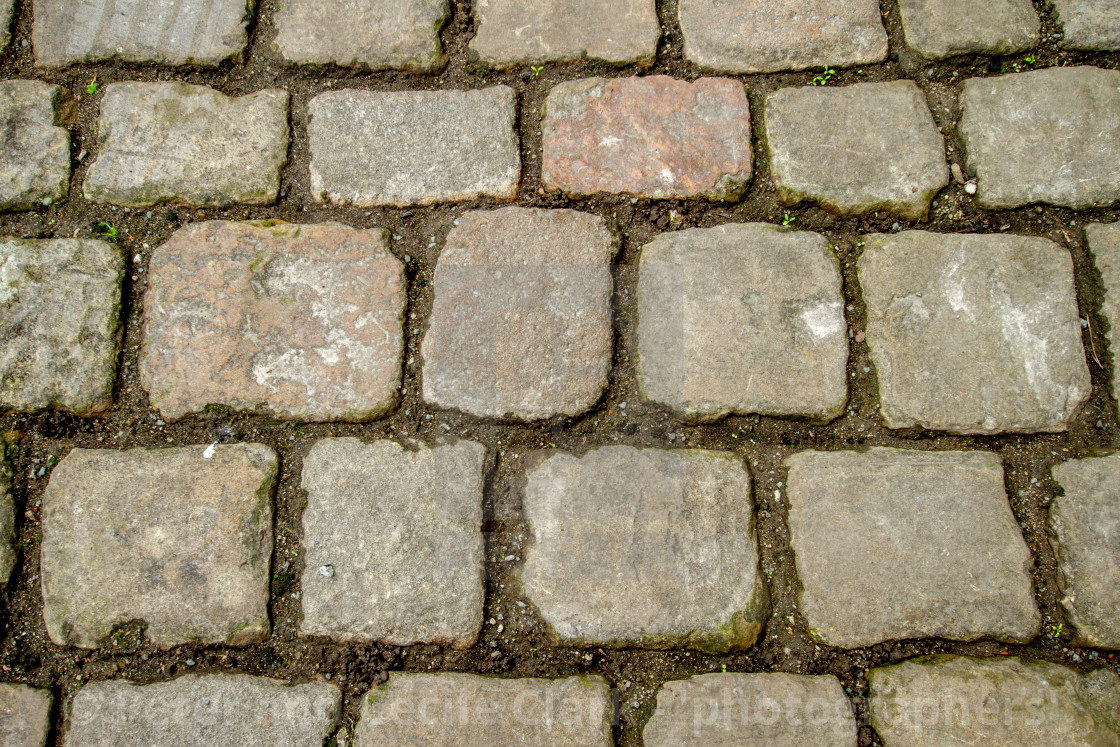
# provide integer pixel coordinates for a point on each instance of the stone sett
(521, 319)
(856, 149)
(392, 539)
(644, 547)
(937, 29)
(295, 321)
(447, 710)
(188, 145)
(179, 538)
(60, 324)
(1104, 243)
(6, 8)
(24, 715)
(1049, 135)
(742, 318)
(1092, 25)
(893, 544)
(974, 333)
(35, 148)
(647, 137)
(7, 524)
(413, 147)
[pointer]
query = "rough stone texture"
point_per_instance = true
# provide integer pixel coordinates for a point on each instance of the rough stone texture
(1048, 135)
(185, 32)
(856, 149)
(372, 34)
(525, 32)
(178, 537)
(401, 529)
(937, 29)
(1085, 536)
(35, 148)
(294, 321)
(59, 324)
(646, 548)
(7, 524)
(942, 700)
(743, 318)
(205, 710)
(761, 36)
(24, 715)
(894, 544)
(648, 137)
(974, 333)
(190, 145)
(1104, 242)
(447, 710)
(1089, 24)
(6, 8)
(521, 320)
(413, 147)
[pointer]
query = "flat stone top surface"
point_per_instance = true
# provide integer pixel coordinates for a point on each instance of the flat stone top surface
(644, 547)
(937, 29)
(295, 321)
(974, 333)
(1048, 135)
(761, 36)
(938, 549)
(35, 147)
(24, 715)
(1092, 25)
(744, 318)
(1104, 243)
(180, 538)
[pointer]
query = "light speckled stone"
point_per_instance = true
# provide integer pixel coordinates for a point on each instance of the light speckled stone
(25, 714)
(1093, 25)
(644, 547)
(743, 318)
(295, 321)
(974, 333)
(179, 538)
(937, 29)
(6, 8)
(893, 544)
(35, 146)
(1104, 242)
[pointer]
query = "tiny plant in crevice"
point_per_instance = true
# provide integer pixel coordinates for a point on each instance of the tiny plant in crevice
(536, 70)
(787, 219)
(824, 78)
(91, 87)
(104, 230)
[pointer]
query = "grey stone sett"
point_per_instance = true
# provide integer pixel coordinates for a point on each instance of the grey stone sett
(35, 149)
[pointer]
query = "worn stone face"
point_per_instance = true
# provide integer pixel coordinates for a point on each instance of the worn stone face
(35, 148)
(6, 8)
(937, 29)
(294, 321)
(974, 333)
(443, 710)
(883, 150)
(205, 710)
(179, 538)
(189, 145)
(7, 524)
(648, 137)
(645, 548)
(59, 324)
(24, 715)
(1048, 135)
(413, 147)
(521, 320)
(1104, 242)
(743, 318)
(937, 549)
(525, 32)
(1089, 24)
(392, 541)
(760, 36)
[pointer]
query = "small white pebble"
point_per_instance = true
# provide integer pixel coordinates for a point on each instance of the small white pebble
(326, 571)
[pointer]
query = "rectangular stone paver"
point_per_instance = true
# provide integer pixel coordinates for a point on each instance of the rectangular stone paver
(35, 150)
(646, 547)
(647, 137)
(179, 538)
(894, 544)
(447, 710)
(392, 540)
(974, 333)
(25, 714)
(190, 145)
(413, 147)
(937, 29)
(856, 149)
(1092, 25)
(1104, 242)
(296, 321)
(742, 318)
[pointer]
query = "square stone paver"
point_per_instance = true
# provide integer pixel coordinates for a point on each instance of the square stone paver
(742, 318)
(179, 538)
(1092, 25)
(1049, 135)
(59, 324)
(295, 321)
(521, 319)
(974, 333)
(413, 147)
(647, 137)
(190, 145)
(526, 32)
(856, 149)
(1104, 242)
(372, 34)
(894, 544)
(25, 714)
(937, 29)
(392, 540)
(644, 547)
(35, 150)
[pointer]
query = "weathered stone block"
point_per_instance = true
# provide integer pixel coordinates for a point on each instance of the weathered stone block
(1104, 242)
(25, 714)
(1092, 25)
(35, 148)
(937, 29)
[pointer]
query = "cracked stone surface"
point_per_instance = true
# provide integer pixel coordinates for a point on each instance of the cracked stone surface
(35, 147)
(24, 715)
(1104, 242)
(937, 29)
(1092, 25)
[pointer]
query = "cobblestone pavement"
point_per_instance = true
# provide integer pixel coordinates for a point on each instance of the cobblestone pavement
(579, 372)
